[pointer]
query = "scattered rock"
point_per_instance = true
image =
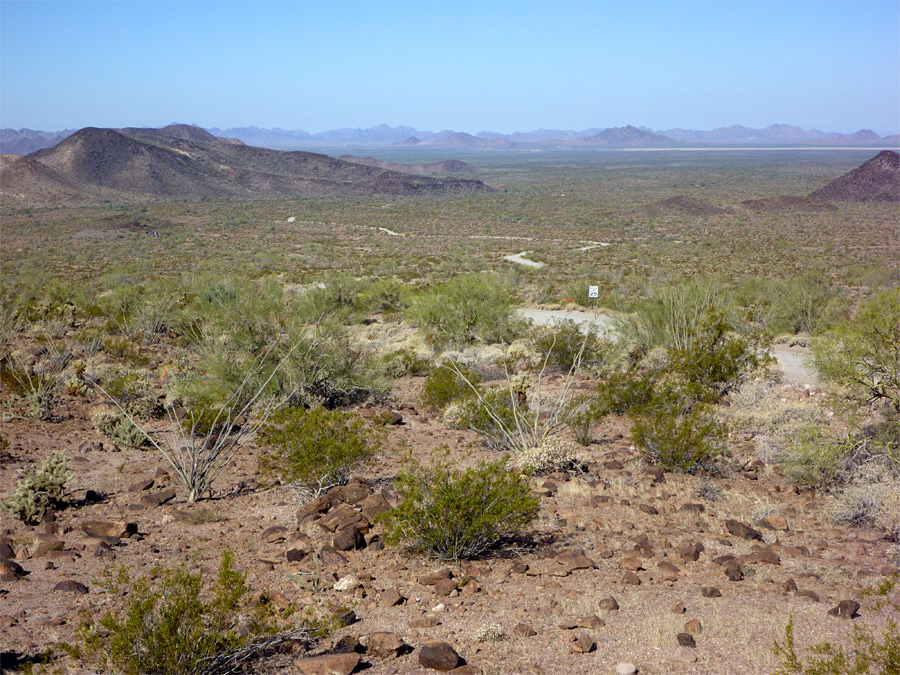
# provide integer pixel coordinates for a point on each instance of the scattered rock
(438, 655)
(574, 559)
(523, 630)
(648, 509)
(733, 570)
(70, 586)
(631, 579)
(434, 577)
(679, 608)
(668, 571)
(142, 485)
(348, 539)
(690, 552)
(158, 498)
(312, 510)
(391, 598)
(692, 509)
(684, 655)
(846, 609)
(582, 644)
(384, 645)
(686, 640)
(274, 534)
(710, 592)
(10, 571)
(742, 530)
(609, 604)
(329, 664)
(109, 528)
(789, 586)
(631, 562)
(626, 669)
(444, 587)
(694, 627)
(775, 522)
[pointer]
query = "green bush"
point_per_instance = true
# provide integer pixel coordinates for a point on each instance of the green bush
(861, 357)
(39, 490)
(867, 655)
(622, 391)
(444, 385)
(453, 514)
(173, 626)
(494, 416)
(467, 309)
(565, 345)
(316, 449)
(404, 361)
(675, 432)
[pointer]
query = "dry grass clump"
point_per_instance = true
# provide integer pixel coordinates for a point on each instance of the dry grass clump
(551, 455)
(870, 499)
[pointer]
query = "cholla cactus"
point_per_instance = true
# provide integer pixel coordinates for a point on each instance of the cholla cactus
(39, 489)
(490, 632)
(552, 454)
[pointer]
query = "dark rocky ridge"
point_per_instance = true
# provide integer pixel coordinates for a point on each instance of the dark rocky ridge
(878, 180)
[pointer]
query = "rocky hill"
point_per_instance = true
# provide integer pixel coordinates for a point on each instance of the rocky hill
(878, 180)
(183, 162)
(625, 137)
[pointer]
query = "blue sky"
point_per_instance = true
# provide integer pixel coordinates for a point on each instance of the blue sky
(498, 66)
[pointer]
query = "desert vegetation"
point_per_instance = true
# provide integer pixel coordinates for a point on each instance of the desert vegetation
(337, 425)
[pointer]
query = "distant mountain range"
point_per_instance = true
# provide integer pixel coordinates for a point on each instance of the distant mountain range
(25, 141)
(185, 162)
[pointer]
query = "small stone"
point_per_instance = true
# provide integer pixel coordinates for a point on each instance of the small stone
(631, 562)
(330, 557)
(631, 579)
(733, 570)
(690, 552)
(391, 598)
(679, 608)
(274, 534)
(109, 528)
(686, 640)
(590, 621)
(656, 474)
(790, 586)
(374, 505)
(812, 595)
(582, 644)
(609, 604)
(710, 592)
(438, 655)
(312, 510)
(444, 587)
(425, 622)
(684, 655)
(329, 664)
(626, 669)
(70, 586)
(384, 645)
(347, 583)
(693, 627)
(142, 485)
(523, 630)
(158, 498)
(10, 571)
(574, 559)
(742, 530)
(775, 522)
(692, 509)
(669, 571)
(348, 539)
(432, 578)
(846, 609)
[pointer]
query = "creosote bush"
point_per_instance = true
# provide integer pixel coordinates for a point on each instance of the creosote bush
(867, 655)
(174, 626)
(448, 383)
(451, 514)
(39, 490)
(566, 343)
(316, 449)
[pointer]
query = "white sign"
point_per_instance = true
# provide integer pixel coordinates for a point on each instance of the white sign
(593, 291)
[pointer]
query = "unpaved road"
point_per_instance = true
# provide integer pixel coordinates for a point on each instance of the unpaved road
(791, 361)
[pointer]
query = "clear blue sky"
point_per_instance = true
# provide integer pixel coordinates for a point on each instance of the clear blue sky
(499, 66)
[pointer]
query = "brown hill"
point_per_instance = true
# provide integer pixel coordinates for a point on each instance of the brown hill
(878, 180)
(434, 168)
(464, 140)
(182, 162)
(626, 137)
(686, 206)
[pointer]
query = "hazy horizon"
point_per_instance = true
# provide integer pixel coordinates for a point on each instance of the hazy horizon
(499, 67)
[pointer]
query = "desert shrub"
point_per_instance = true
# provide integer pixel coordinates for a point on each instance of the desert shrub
(623, 390)
(338, 298)
(445, 384)
(316, 449)
(404, 361)
(567, 345)
(131, 390)
(814, 457)
(173, 625)
(676, 432)
(582, 417)
(467, 309)
(384, 295)
(861, 358)
(118, 428)
(716, 358)
(453, 514)
(125, 348)
(39, 490)
(37, 387)
(870, 499)
(868, 654)
(553, 454)
(493, 414)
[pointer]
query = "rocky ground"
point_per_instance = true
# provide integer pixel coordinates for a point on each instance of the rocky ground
(626, 565)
